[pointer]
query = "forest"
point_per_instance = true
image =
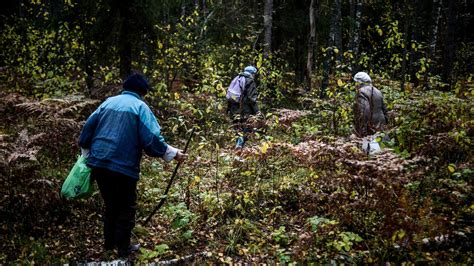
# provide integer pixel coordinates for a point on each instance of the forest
(302, 189)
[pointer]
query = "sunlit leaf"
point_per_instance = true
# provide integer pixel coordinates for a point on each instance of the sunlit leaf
(451, 168)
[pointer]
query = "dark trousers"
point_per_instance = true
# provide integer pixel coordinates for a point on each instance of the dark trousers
(119, 194)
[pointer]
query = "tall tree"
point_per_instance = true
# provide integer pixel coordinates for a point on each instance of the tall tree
(125, 38)
(356, 6)
(334, 41)
(267, 25)
(450, 41)
(311, 45)
(416, 37)
(406, 40)
(435, 16)
(336, 27)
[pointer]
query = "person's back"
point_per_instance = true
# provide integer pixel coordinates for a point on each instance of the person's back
(112, 139)
(370, 114)
(246, 104)
(375, 99)
(242, 102)
(117, 144)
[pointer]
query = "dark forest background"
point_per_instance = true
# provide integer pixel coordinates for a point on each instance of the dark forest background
(58, 46)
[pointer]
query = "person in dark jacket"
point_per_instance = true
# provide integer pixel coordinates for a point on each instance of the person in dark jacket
(245, 105)
(112, 139)
(370, 113)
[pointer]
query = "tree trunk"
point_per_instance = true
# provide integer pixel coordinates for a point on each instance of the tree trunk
(355, 43)
(450, 39)
(406, 28)
(183, 8)
(267, 25)
(125, 41)
(55, 12)
(415, 37)
(299, 60)
(436, 14)
(311, 41)
(204, 8)
(337, 28)
(334, 41)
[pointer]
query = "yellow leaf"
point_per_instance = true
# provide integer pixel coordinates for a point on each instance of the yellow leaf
(451, 168)
(247, 173)
(264, 147)
(401, 234)
(336, 51)
(339, 83)
(380, 32)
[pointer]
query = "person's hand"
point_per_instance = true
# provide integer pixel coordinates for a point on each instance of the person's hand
(85, 152)
(180, 156)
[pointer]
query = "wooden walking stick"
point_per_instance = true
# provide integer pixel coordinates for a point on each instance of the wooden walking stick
(163, 198)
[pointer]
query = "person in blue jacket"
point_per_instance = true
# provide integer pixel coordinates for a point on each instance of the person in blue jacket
(112, 139)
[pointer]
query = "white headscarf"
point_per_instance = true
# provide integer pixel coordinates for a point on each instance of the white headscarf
(362, 77)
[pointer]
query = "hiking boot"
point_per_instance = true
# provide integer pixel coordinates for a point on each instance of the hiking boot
(240, 143)
(131, 249)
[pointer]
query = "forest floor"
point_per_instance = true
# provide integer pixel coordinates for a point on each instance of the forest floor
(295, 193)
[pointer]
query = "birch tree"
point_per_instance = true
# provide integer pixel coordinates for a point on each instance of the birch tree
(334, 41)
(311, 44)
(267, 26)
(435, 16)
(356, 5)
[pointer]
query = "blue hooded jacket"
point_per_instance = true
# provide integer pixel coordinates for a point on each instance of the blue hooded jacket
(118, 131)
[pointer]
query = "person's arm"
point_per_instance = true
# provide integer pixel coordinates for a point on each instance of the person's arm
(251, 96)
(87, 133)
(362, 114)
(151, 139)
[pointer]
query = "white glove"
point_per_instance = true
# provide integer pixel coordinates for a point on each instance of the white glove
(85, 152)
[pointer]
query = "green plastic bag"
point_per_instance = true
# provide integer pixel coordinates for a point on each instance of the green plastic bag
(78, 183)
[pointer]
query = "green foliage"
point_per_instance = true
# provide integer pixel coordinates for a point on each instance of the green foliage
(345, 241)
(176, 50)
(280, 237)
(181, 220)
(317, 222)
(42, 62)
(311, 200)
(157, 252)
(441, 118)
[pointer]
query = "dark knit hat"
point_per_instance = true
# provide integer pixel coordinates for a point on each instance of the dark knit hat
(136, 83)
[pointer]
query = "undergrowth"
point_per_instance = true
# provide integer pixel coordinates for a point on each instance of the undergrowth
(300, 191)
